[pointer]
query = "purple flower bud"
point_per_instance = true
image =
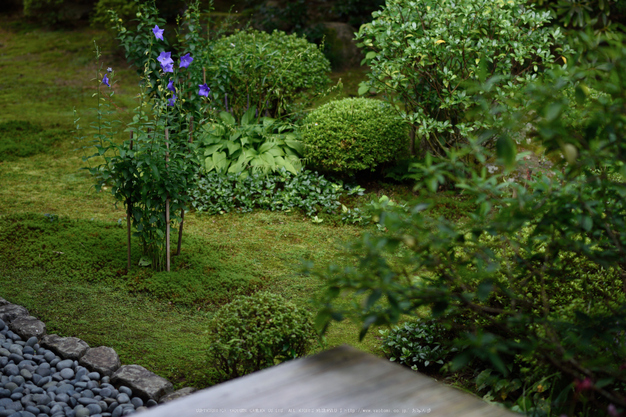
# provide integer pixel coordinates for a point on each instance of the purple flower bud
(158, 33)
(185, 60)
(109, 69)
(105, 81)
(204, 90)
(170, 86)
(171, 101)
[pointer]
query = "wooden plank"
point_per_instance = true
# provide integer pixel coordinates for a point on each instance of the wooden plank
(340, 382)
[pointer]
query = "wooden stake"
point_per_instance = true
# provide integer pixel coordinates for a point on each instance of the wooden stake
(167, 210)
(182, 211)
(129, 211)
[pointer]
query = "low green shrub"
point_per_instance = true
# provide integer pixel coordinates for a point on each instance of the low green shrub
(21, 139)
(269, 71)
(219, 193)
(354, 134)
(417, 344)
(252, 333)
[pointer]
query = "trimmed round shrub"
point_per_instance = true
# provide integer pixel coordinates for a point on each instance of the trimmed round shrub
(269, 71)
(353, 134)
(255, 332)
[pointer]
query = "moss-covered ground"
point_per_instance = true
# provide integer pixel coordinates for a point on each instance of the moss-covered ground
(63, 246)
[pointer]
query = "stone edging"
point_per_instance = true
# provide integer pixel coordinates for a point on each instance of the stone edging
(144, 384)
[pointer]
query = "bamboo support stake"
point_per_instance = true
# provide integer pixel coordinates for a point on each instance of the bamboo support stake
(182, 211)
(167, 210)
(129, 211)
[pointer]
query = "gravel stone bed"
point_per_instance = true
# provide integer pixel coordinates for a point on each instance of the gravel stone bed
(35, 382)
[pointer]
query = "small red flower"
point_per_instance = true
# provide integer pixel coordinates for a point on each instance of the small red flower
(584, 385)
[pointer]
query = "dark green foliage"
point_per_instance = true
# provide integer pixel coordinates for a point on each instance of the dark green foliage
(277, 191)
(536, 272)
(356, 12)
(123, 9)
(418, 344)
(21, 139)
(603, 16)
(423, 55)
(90, 251)
(269, 71)
(256, 332)
(354, 134)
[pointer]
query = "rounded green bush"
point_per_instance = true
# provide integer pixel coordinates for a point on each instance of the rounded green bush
(353, 134)
(269, 71)
(252, 333)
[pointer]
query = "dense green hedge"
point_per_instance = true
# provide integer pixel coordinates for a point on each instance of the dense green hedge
(354, 134)
(269, 71)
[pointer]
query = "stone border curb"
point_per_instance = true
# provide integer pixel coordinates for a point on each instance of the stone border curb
(143, 383)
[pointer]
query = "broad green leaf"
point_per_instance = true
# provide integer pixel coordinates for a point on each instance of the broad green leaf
(248, 116)
(250, 154)
(276, 151)
(213, 148)
(220, 161)
(233, 147)
(506, 150)
(295, 145)
(268, 159)
(266, 147)
(282, 162)
(267, 122)
(208, 164)
(363, 88)
(227, 118)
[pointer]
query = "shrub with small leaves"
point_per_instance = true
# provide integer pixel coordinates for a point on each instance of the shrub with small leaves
(354, 134)
(417, 344)
(252, 333)
(269, 71)
(219, 193)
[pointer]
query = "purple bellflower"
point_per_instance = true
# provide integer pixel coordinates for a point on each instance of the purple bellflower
(171, 101)
(165, 59)
(170, 86)
(204, 90)
(109, 69)
(185, 60)
(105, 81)
(158, 33)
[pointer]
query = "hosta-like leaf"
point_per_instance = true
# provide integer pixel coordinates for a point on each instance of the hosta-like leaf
(227, 118)
(220, 161)
(295, 145)
(233, 147)
(266, 147)
(249, 116)
(212, 149)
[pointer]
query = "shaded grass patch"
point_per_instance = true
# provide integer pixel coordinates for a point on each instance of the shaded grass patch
(21, 139)
(86, 251)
